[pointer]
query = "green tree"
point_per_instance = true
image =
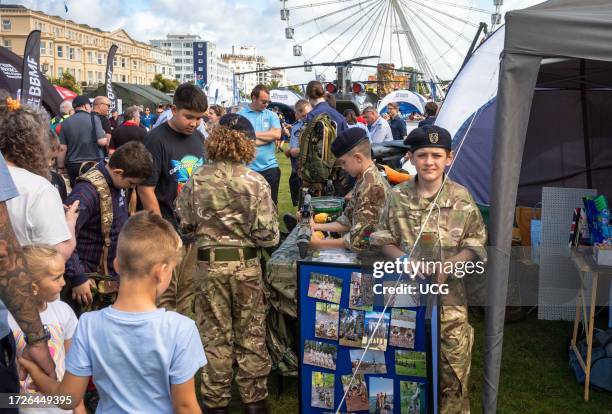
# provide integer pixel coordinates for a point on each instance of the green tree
(68, 81)
(273, 84)
(296, 88)
(165, 85)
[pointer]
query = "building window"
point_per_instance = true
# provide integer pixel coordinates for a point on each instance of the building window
(99, 77)
(6, 24)
(123, 62)
(8, 44)
(78, 75)
(123, 78)
(200, 53)
(43, 48)
(189, 45)
(89, 76)
(200, 44)
(177, 76)
(100, 59)
(60, 71)
(71, 53)
(188, 53)
(178, 60)
(134, 65)
(200, 60)
(60, 51)
(200, 68)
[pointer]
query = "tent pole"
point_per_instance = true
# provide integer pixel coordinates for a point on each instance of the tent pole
(585, 124)
(481, 27)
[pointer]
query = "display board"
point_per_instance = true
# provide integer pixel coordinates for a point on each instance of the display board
(339, 315)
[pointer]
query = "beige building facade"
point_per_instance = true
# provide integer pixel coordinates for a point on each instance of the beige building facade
(81, 49)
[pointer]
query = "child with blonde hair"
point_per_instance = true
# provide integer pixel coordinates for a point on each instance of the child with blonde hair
(47, 273)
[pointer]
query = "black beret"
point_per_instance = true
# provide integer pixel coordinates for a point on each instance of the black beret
(238, 123)
(429, 136)
(80, 101)
(347, 140)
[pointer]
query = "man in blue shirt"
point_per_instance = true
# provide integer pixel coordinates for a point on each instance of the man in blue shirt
(267, 130)
(147, 119)
(302, 108)
(380, 131)
(316, 95)
(15, 292)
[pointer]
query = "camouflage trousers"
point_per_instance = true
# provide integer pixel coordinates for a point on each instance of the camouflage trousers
(456, 340)
(180, 293)
(230, 306)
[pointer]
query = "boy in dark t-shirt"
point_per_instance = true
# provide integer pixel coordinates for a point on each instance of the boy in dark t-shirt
(177, 149)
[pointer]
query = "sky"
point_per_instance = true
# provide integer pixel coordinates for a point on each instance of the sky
(257, 23)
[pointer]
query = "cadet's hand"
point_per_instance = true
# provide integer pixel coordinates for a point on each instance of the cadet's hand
(298, 216)
(40, 358)
(82, 294)
(441, 277)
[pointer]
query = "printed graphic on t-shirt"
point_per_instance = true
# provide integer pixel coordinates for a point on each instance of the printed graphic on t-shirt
(182, 170)
(56, 349)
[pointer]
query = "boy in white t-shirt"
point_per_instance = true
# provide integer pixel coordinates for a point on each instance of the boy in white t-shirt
(142, 359)
(47, 272)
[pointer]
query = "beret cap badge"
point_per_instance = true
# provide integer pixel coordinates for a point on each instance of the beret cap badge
(433, 137)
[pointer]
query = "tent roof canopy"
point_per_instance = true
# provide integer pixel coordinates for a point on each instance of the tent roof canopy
(567, 28)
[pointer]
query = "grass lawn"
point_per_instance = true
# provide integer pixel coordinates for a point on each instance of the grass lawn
(535, 376)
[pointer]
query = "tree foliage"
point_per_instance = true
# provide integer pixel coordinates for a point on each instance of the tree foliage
(163, 84)
(68, 81)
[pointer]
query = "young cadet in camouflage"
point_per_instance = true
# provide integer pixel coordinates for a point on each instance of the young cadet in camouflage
(353, 151)
(228, 209)
(435, 219)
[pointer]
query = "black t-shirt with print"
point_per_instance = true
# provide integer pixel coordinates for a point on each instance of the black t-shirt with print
(175, 157)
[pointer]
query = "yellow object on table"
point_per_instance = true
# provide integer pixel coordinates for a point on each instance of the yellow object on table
(319, 234)
(321, 218)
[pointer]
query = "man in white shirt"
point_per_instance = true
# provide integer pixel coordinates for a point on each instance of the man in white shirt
(380, 131)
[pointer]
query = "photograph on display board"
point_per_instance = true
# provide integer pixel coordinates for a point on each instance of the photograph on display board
(322, 390)
(410, 363)
(403, 300)
(350, 332)
(373, 362)
(403, 325)
(381, 395)
(413, 398)
(356, 392)
(326, 320)
(325, 287)
(320, 354)
(376, 327)
(362, 291)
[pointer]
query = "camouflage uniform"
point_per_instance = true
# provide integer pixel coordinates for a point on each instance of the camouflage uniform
(362, 212)
(226, 204)
(455, 226)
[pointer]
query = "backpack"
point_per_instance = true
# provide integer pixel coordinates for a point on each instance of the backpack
(97, 179)
(316, 161)
(601, 361)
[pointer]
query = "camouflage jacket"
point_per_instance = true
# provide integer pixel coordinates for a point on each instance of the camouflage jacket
(362, 212)
(228, 204)
(455, 225)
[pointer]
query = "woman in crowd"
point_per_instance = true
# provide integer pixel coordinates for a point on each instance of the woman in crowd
(37, 213)
(214, 113)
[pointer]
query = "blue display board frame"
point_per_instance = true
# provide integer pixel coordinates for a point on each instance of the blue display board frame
(426, 340)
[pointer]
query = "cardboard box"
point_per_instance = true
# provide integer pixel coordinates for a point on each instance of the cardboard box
(602, 254)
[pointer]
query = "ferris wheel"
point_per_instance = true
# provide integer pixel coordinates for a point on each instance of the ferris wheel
(431, 36)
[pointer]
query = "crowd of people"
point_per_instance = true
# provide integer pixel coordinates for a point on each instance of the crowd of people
(127, 217)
